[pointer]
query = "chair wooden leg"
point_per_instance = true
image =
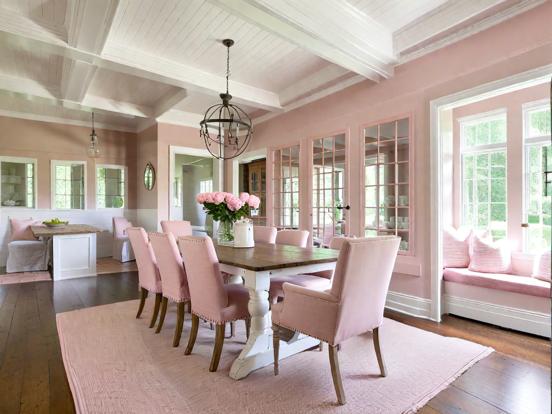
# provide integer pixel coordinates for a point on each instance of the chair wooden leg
(164, 304)
(247, 327)
(143, 295)
(276, 347)
(179, 323)
(377, 347)
(321, 346)
(193, 335)
(158, 297)
(219, 342)
(336, 375)
(232, 329)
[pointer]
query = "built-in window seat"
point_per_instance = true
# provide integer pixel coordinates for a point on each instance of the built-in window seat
(512, 300)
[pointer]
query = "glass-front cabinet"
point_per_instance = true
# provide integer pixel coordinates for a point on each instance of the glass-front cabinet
(387, 181)
(17, 186)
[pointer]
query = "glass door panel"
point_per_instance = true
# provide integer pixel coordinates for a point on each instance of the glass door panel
(387, 180)
(329, 204)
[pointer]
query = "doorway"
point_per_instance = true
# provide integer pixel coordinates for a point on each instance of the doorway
(329, 206)
(193, 171)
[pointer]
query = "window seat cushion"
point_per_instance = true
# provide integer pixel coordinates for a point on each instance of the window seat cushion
(500, 281)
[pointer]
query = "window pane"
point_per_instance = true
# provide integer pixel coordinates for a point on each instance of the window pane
(539, 122)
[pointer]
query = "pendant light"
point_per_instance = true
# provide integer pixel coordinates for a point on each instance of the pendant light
(226, 129)
(94, 147)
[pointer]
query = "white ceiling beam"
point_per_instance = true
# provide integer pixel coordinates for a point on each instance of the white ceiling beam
(362, 45)
(137, 63)
(311, 84)
(110, 105)
(452, 22)
(49, 95)
(88, 24)
(169, 101)
(177, 117)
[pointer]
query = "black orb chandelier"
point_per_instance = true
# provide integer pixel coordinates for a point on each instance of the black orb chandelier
(226, 129)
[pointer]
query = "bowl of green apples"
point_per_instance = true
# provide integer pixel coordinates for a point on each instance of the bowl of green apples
(55, 222)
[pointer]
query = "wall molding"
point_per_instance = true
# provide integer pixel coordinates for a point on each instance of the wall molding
(513, 318)
(409, 304)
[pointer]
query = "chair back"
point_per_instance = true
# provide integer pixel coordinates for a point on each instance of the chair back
(120, 225)
(171, 267)
(178, 228)
(264, 234)
(361, 281)
(292, 237)
(148, 273)
(204, 279)
(336, 243)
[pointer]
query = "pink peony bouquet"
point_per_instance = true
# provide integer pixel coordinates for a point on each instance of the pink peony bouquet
(227, 207)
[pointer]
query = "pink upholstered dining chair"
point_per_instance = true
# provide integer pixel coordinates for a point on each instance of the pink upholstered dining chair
(264, 234)
(178, 228)
(212, 300)
(335, 243)
(294, 238)
(173, 278)
(297, 238)
(354, 304)
(121, 250)
(148, 273)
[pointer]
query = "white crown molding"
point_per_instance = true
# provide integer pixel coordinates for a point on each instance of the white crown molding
(59, 120)
(309, 99)
(176, 117)
(464, 32)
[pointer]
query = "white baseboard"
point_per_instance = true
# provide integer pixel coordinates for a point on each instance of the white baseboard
(513, 318)
(409, 304)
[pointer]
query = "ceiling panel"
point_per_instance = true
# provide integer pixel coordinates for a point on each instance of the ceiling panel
(36, 65)
(189, 32)
(198, 103)
(394, 14)
(51, 11)
(128, 88)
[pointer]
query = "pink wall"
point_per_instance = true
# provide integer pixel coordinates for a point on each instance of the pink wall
(512, 104)
(46, 141)
(146, 144)
(517, 45)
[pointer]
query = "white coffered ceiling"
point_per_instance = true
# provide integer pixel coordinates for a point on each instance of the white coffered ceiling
(137, 61)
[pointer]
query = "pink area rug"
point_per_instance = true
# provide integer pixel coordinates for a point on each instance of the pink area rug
(115, 364)
(25, 277)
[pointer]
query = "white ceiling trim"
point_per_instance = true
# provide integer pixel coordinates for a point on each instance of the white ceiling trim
(362, 46)
(314, 97)
(403, 36)
(57, 120)
(137, 63)
(168, 102)
(87, 33)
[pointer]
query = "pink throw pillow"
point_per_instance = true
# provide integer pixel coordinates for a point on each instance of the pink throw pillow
(489, 257)
(21, 229)
(543, 271)
(456, 245)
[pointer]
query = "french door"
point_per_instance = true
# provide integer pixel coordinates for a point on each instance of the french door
(329, 184)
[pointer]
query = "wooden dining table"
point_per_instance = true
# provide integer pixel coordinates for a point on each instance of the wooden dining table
(256, 265)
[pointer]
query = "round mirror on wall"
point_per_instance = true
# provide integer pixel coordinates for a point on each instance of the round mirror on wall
(149, 176)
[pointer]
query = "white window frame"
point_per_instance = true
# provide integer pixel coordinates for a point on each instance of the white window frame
(481, 149)
(53, 165)
(527, 143)
(112, 166)
(25, 160)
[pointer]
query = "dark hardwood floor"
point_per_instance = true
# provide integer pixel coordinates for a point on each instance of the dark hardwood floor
(515, 379)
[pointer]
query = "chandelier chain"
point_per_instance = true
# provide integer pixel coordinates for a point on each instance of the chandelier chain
(227, 66)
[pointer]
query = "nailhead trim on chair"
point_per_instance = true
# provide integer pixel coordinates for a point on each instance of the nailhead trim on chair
(219, 322)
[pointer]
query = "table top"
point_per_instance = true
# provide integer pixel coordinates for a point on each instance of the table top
(43, 231)
(273, 256)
